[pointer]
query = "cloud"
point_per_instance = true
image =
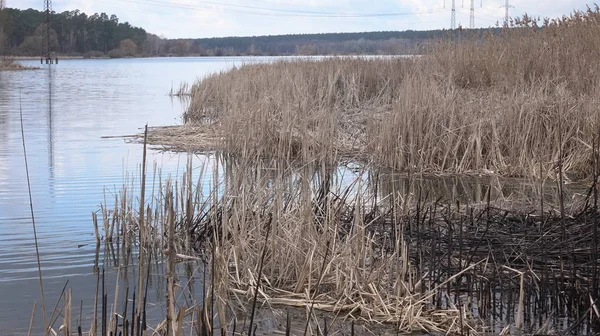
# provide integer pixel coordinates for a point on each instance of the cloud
(208, 18)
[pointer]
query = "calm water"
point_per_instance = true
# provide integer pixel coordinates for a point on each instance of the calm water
(66, 111)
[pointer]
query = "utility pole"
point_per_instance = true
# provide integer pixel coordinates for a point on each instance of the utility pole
(453, 18)
(472, 21)
(47, 43)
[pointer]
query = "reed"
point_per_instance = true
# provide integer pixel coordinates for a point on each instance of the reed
(10, 64)
(33, 223)
(182, 91)
(281, 227)
(420, 264)
(490, 103)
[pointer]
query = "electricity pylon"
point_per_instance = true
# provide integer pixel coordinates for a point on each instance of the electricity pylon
(507, 7)
(47, 42)
(472, 19)
(453, 17)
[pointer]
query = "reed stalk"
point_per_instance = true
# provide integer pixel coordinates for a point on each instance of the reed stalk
(32, 317)
(35, 237)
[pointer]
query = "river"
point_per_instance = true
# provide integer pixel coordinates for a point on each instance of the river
(67, 110)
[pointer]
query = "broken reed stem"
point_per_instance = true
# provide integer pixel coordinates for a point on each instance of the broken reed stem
(35, 237)
(321, 274)
(53, 318)
(94, 327)
(32, 317)
(520, 309)
(172, 326)
(79, 332)
(114, 319)
(142, 228)
(595, 233)
(96, 232)
(259, 276)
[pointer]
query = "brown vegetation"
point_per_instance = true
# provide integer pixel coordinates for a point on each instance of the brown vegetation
(10, 64)
(510, 104)
(277, 226)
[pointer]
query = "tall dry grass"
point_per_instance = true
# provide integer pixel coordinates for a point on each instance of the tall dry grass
(509, 103)
(311, 241)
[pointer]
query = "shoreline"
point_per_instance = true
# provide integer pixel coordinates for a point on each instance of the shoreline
(33, 58)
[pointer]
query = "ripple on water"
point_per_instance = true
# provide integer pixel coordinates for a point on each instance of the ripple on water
(66, 111)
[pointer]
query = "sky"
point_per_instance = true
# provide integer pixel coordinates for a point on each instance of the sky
(216, 18)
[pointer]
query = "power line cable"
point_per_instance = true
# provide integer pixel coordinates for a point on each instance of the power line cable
(274, 11)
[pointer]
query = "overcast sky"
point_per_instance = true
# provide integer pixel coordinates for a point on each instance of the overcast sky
(199, 18)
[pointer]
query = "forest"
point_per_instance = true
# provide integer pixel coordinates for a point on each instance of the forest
(363, 43)
(75, 33)
(71, 33)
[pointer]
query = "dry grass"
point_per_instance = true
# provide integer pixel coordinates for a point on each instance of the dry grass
(508, 103)
(355, 249)
(10, 64)
(320, 249)
(278, 229)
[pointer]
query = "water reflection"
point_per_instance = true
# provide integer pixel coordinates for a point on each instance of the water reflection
(50, 133)
(474, 190)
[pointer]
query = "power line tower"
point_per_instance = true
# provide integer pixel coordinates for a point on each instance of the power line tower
(472, 19)
(47, 42)
(2, 4)
(453, 17)
(507, 7)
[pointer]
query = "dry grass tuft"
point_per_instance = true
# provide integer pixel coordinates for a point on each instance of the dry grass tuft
(12, 65)
(183, 138)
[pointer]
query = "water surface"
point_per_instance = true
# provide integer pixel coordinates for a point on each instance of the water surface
(67, 109)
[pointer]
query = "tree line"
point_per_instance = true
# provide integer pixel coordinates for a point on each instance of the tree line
(75, 33)
(365, 43)
(22, 32)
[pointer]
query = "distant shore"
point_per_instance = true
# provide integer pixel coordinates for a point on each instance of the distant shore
(75, 57)
(35, 58)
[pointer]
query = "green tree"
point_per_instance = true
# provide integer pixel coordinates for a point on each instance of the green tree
(74, 32)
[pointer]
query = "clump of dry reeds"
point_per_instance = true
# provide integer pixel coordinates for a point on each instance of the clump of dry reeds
(292, 238)
(11, 64)
(182, 91)
(514, 103)
(302, 237)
